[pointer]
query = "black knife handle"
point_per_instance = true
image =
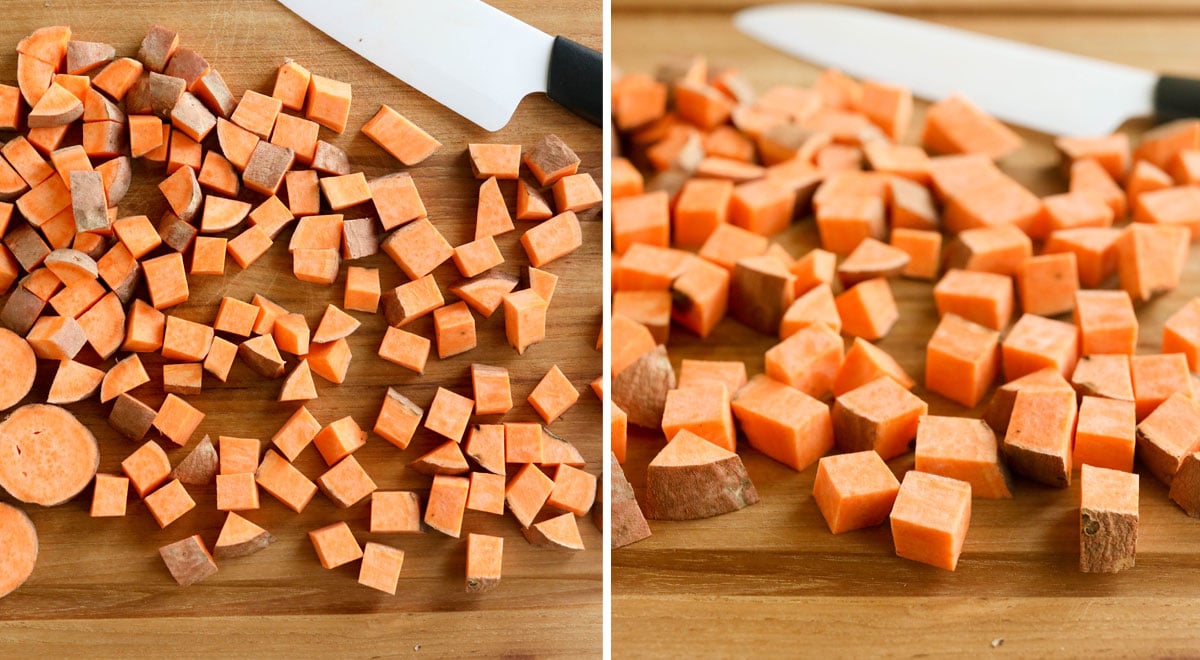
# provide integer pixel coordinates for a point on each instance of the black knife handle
(576, 79)
(1176, 97)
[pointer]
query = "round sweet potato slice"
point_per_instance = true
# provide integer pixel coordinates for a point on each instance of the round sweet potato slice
(18, 548)
(46, 456)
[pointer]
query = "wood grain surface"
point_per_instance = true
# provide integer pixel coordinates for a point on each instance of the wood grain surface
(771, 580)
(100, 589)
(991, 8)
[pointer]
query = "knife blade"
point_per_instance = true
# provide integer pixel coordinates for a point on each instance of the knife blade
(465, 54)
(1043, 89)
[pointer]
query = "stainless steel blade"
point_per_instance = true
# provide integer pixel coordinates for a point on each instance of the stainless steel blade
(465, 54)
(1043, 89)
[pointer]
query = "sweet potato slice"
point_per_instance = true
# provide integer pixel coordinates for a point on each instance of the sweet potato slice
(20, 551)
(628, 522)
(692, 478)
(240, 537)
(52, 457)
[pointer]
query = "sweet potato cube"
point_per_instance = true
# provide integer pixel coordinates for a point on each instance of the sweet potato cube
(339, 439)
(930, 519)
(526, 493)
(395, 512)
(1168, 435)
(1105, 435)
(454, 327)
(335, 545)
(1048, 284)
(524, 319)
(1150, 259)
(865, 362)
(362, 289)
(238, 455)
(166, 279)
(816, 305)
(809, 360)
(380, 568)
(854, 491)
(574, 490)
(447, 502)
(185, 341)
(109, 496)
(961, 360)
(764, 207)
(398, 419)
(1037, 443)
(147, 468)
(761, 291)
(398, 136)
(485, 445)
(704, 409)
(412, 300)
(1157, 377)
(868, 309)
(1107, 376)
(692, 478)
(346, 483)
(1036, 342)
(237, 492)
(283, 481)
(523, 442)
(783, 422)
(702, 205)
(417, 248)
(880, 415)
(641, 219)
(983, 298)
(1185, 487)
(177, 420)
(1181, 333)
(553, 395)
(484, 560)
(188, 560)
(1108, 520)
(169, 503)
(1107, 322)
(845, 221)
(964, 449)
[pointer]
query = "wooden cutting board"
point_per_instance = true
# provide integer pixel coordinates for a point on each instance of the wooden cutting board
(771, 579)
(100, 589)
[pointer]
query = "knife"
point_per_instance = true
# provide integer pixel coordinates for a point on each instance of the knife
(465, 54)
(1043, 89)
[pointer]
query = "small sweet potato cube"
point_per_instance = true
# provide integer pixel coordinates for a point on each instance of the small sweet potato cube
(930, 519)
(574, 490)
(1105, 435)
(237, 492)
(701, 206)
(417, 248)
(1185, 487)
(702, 408)
(526, 493)
(964, 449)
(380, 568)
(339, 439)
(761, 291)
(1036, 342)
(523, 442)
(1048, 284)
(1000, 408)
(880, 415)
(960, 360)
(235, 317)
(809, 360)
(335, 545)
(484, 560)
(1157, 377)
(147, 468)
(865, 362)
(493, 394)
(447, 502)
(783, 422)
(177, 420)
(1037, 443)
(1108, 520)
(398, 419)
(1168, 435)
(1150, 258)
(846, 220)
(238, 455)
(395, 512)
(485, 445)
(553, 395)
(979, 297)
(1181, 333)
(524, 319)
(188, 560)
(854, 491)
(486, 493)
(328, 102)
(454, 327)
(1107, 322)
(868, 309)
(169, 503)
(816, 305)
(764, 207)
(448, 414)
(282, 480)
(296, 433)
(346, 483)
(692, 478)
(1107, 376)
(109, 496)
